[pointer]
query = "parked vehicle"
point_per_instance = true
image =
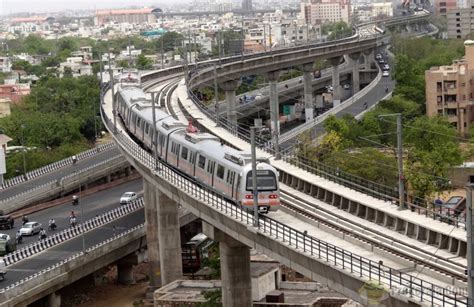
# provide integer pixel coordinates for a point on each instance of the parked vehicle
(128, 197)
(30, 228)
(6, 222)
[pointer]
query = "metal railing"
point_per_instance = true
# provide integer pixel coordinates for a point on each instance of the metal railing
(353, 264)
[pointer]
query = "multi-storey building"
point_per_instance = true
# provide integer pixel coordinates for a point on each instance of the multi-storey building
(449, 91)
(321, 11)
(124, 16)
(442, 7)
(460, 22)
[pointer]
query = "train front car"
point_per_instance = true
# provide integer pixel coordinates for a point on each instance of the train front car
(267, 186)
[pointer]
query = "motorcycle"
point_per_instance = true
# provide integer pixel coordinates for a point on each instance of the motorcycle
(52, 226)
(75, 200)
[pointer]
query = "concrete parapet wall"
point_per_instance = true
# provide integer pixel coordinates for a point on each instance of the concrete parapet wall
(65, 273)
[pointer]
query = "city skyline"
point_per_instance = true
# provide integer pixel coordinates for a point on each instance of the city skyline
(31, 6)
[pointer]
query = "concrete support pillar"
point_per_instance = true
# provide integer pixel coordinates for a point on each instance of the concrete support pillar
(274, 110)
(368, 58)
(125, 273)
(229, 88)
(355, 72)
(235, 268)
(169, 237)
(151, 226)
(308, 91)
(54, 300)
(336, 84)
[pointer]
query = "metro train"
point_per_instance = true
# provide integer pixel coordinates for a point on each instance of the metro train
(201, 156)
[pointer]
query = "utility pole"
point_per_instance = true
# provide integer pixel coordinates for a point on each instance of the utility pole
(254, 176)
(470, 245)
(219, 44)
(155, 134)
(100, 68)
(216, 96)
(162, 39)
(265, 37)
(129, 53)
(401, 185)
(111, 73)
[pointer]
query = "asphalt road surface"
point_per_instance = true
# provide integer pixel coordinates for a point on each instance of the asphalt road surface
(93, 205)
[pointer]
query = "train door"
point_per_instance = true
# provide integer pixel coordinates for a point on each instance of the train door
(210, 170)
(230, 180)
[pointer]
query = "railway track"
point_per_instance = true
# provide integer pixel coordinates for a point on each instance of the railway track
(424, 260)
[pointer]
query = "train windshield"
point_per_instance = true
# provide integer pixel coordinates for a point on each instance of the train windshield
(266, 181)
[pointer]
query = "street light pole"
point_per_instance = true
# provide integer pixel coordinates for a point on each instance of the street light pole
(254, 176)
(23, 149)
(79, 200)
(216, 95)
(162, 48)
(470, 245)
(111, 73)
(401, 186)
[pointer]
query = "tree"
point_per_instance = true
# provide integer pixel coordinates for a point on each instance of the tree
(336, 30)
(432, 150)
(171, 40)
(144, 63)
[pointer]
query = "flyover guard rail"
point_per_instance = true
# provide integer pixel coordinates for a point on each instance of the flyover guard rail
(54, 187)
(56, 165)
(400, 283)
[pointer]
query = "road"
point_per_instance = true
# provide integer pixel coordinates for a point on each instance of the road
(372, 97)
(94, 204)
(54, 175)
(43, 260)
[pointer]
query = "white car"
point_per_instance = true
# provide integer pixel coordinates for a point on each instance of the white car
(378, 56)
(128, 197)
(386, 67)
(385, 73)
(30, 229)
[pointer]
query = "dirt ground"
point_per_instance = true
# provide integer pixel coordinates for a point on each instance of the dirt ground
(108, 292)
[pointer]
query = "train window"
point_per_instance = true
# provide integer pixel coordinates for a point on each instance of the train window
(266, 181)
(184, 153)
(220, 171)
(202, 162)
(175, 148)
(147, 128)
(139, 120)
(230, 177)
(192, 157)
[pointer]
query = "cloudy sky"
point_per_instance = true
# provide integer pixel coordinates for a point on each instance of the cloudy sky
(12, 6)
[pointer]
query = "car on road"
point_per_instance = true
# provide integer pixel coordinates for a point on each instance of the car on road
(7, 245)
(3, 269)
(385, 73)
(346, 86)
(30, 228)
(6, 222)
(378, 56)
(381, 61)
(128, 197)
(385, 67)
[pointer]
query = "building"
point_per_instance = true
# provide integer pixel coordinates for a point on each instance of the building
(14, 92)
(442, 7)
(76, 66)
(4, 139)
(5, 107)
(317, 12)
(449, 91)
(460, 22)
(136, 16)
(247, 5)
(267, 290)
(5, 65)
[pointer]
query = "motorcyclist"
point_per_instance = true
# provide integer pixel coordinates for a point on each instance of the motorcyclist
(386, 89)
(365, 105)
(75, 200)
(52, 224)
(24, 219)
(42, 234)
(72, 221)
(19, 237)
